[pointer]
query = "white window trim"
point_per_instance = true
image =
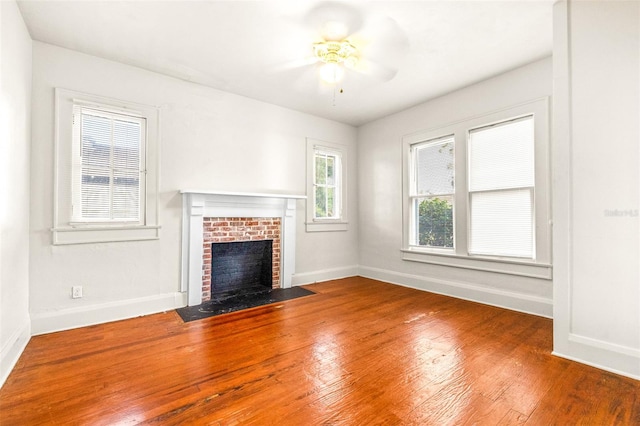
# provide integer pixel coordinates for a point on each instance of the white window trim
(64, 230)
(540, 267)
(326, 224)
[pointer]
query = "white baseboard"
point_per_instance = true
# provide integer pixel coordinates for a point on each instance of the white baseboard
(66, 319)
(608, 346)
(615, 358)
(495, 297)
(12, 349)
(324, 275)
(613, 362)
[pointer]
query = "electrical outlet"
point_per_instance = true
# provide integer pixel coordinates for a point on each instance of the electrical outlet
(76, 292)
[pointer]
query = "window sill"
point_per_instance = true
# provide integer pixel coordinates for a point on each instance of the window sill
(521, 268)
(328, 226)
(103, 234)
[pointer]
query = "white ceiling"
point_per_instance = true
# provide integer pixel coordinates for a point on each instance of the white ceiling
(257, 48)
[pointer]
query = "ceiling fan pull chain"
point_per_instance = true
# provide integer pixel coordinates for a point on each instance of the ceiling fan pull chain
(334, 95)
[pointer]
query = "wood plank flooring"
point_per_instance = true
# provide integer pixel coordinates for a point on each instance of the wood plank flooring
(359, 352)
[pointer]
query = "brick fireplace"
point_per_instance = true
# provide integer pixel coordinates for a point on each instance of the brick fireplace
(233, 216)
(235, 229)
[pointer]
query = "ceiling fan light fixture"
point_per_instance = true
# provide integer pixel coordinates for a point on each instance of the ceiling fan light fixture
(334, 53)
(331, 72)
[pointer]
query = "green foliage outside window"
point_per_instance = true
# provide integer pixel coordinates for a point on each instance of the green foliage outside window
(435, 223)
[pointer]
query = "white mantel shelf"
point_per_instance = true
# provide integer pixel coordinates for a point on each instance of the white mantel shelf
(198, 204)
(243, 194)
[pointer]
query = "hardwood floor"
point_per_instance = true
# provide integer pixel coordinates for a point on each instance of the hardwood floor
(360, 352)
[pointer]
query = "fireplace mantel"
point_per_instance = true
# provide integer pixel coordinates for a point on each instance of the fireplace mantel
(198, 204)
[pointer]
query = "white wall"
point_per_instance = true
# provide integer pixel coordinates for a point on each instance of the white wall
(15, 123)
(211, 140)
(380, 193)
(597, 140)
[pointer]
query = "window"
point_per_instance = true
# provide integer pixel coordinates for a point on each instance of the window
(501, 183)
(108, 166)
(432, 190)
(476, 193)
(106, 170)
(326, 186)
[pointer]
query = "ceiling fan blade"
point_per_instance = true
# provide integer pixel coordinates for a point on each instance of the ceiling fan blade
(294, 64)
(334, 21)
(382, 46)
(377, 70)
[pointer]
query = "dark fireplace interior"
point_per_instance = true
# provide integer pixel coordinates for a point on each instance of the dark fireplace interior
(240, 268)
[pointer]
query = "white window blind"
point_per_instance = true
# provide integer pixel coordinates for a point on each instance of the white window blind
(109, 167)
(501, 189)
(434, 167)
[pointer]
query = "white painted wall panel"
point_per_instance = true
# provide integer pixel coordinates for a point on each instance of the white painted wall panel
(597, 290)
(606, 88)
(15, 123)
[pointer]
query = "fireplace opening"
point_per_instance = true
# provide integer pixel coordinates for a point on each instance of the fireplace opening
(241, 268)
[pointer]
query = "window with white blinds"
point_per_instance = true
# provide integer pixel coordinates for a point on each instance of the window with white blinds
(106, 176)
(108, 173)
(501, 188)
(497, 215)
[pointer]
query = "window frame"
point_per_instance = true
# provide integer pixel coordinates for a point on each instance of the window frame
(540, 265)
(416, 198)
(68, 230)
(338, 222)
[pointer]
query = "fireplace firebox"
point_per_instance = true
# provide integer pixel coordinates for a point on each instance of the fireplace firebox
(240, 267)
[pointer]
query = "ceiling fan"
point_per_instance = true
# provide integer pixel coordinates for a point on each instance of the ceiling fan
(347, 41)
